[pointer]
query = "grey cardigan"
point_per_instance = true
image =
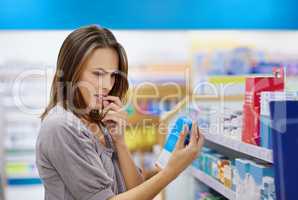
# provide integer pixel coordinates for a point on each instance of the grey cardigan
(72, 163)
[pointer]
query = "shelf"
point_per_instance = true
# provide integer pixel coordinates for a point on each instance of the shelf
(214, 184)
(21, 150)
(24, 181)
(248, 149)
(202, 98)
(239, 98)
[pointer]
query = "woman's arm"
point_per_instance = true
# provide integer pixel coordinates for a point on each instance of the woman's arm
(116, 121)
(180, 159)
(129, 170)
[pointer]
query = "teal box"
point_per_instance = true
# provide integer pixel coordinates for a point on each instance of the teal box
(204, 159)
(208, 164)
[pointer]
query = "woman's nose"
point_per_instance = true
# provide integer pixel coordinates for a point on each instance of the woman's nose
(107, 83)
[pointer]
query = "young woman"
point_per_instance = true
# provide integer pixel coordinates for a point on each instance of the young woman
(81, 153)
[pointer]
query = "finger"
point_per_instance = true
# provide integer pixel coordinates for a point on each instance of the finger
(119, 115)
(119, 119)
(108, 118)
(111, 106)
(194, 134)
(182, 135)
(114, 99)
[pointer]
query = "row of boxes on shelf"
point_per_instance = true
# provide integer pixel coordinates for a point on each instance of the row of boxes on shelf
(228, 124)
(151, 106)
(22, 173)
(249, 179)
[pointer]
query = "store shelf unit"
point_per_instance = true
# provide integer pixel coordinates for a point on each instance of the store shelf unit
(21, 101)
(213, 183)
(238, 146)
(227, 143)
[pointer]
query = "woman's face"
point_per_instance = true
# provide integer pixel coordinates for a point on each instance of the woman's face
(98, 77)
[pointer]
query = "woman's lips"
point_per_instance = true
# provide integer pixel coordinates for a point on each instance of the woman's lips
(99, 98)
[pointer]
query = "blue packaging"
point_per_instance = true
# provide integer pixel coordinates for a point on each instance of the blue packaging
(242, 167)
(265, 132)
(259, 171)
(173, 136)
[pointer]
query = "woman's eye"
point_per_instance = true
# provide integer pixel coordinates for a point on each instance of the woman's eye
(98, 73)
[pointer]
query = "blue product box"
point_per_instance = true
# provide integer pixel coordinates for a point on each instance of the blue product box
(179, 125)
(171, 142)
(265, 132)
(172, 139)
(242, 167)
(258, 171)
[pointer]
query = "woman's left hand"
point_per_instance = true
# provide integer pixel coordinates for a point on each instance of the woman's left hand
(115, 118)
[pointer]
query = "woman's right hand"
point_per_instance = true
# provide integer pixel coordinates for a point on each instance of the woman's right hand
(183, 155)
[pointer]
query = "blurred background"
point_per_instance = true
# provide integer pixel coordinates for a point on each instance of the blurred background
(171, 46)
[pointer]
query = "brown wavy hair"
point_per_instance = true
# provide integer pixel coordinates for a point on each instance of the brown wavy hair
(75, 49)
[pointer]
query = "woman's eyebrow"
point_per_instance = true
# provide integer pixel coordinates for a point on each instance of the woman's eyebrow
(107, 71)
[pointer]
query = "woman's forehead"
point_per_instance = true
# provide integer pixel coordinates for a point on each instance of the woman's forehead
(103, 58)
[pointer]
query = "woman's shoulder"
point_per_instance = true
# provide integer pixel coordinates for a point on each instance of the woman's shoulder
(60, 121)
(57, 116)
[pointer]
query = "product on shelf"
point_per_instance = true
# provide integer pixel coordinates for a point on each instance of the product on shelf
(228, 176)
(265, 124)
(268, 189)
(232, 123)
(284, 137)
(250, 177)
(251, 108)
